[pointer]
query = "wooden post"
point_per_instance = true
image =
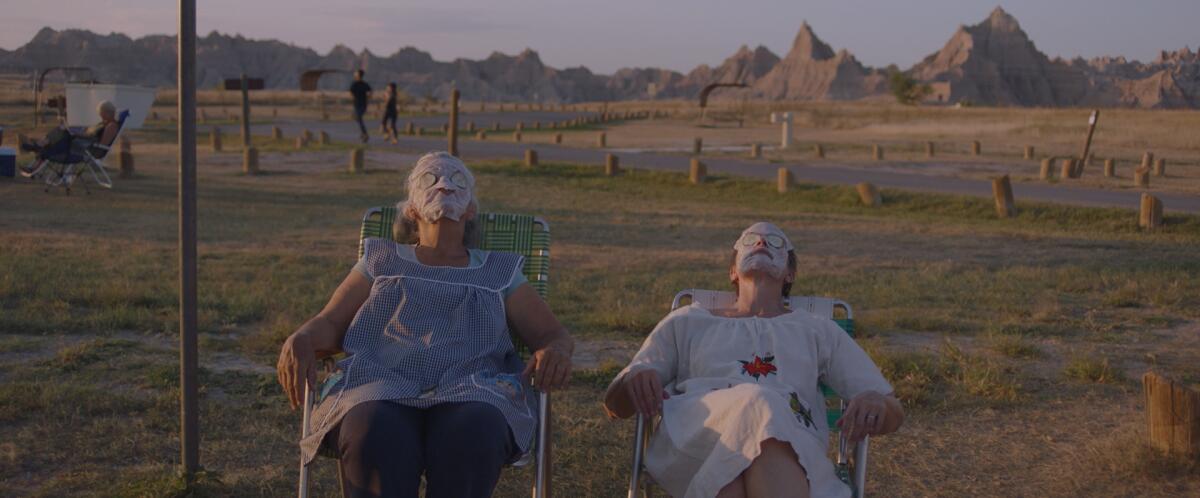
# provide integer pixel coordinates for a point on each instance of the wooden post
(877, 152)
(1147, 160)
(496, 126)
(452, 136)
(1068, 168)
(250, 161)
(1150, 215)
(612, 165)
(520, 126)
(929, 150)
(125, 158)
(517, 136)
(420, 131)
(601, 140)
(1002, 191)
(276, 133)
(307, 135)
(1029, 152)
(1047, 172)
(481, 135)
(869, 194)
(697, 146)
(755, 150)
(1110, 168)
(558, 138)
(301, 142)
(410, 129)
(357, 160)
(697, 172)
(470, 127)
(818, 151)
(784, 180)
(537, 125)
(976, 148)
(1173, 414)
(215, 139)
(1160, 167)
(531, 158)
(1087, 144)
(324, 137)
(246, 118)
(1141, 178)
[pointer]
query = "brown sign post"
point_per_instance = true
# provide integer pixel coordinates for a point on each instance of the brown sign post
(1087, 145)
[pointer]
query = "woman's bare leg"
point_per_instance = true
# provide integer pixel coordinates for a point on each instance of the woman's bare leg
(776, 473)
(735, 489)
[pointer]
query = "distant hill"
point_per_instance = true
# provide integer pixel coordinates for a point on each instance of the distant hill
(991, 63)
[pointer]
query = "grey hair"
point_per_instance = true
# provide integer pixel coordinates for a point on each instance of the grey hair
(106, 106)
(406, 230)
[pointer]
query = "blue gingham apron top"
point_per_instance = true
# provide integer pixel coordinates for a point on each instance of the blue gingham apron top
(428, 335)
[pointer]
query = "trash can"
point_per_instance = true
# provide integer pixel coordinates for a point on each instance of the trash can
(8, 162)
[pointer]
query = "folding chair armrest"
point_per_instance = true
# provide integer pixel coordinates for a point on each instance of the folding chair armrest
(541, 483)
(305, 430)
(860, 467)
(639, 437)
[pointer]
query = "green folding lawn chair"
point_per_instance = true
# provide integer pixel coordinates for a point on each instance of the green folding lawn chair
(522, 234)
(853, 472)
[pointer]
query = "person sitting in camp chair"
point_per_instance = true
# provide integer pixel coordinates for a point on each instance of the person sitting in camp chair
(431, 383)
(60, 142)
(742, 414)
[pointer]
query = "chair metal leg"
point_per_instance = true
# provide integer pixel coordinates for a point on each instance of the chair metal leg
(541, 483)
(304, 432)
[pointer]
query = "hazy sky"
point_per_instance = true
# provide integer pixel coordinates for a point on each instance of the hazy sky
(609, 34)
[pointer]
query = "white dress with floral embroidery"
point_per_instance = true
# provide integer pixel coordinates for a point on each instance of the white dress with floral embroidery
(736, 382)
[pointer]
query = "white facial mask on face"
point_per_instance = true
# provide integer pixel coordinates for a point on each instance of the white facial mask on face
(440, 186)
(763, 247)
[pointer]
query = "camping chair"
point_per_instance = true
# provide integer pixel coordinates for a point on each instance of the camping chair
(820, 306)
(521, 234)
(84, 157)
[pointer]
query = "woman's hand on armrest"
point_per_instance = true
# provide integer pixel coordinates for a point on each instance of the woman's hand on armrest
(640, 391)
(319, 337)
(550, 366)
(871, 414)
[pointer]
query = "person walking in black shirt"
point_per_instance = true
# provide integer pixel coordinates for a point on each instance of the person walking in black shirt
(361, 92)
(390, 114)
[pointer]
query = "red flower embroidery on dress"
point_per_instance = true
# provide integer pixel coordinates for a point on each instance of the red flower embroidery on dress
(760, 367)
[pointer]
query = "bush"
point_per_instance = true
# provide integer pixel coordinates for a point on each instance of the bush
(907, 90)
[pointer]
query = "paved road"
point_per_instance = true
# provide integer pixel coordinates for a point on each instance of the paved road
(828, 173)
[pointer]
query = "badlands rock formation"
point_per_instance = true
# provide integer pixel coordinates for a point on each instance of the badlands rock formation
(990, 63)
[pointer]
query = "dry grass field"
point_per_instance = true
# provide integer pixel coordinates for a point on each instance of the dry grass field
(1016, 345)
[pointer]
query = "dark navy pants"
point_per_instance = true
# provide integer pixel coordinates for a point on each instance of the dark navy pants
(385, 448)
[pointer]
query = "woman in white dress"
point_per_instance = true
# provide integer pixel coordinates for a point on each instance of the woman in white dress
(737, 388)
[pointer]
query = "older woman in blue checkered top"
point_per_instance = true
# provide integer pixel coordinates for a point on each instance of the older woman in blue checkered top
(431, 384)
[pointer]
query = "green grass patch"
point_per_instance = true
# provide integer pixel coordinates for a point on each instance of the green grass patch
(1093, 369)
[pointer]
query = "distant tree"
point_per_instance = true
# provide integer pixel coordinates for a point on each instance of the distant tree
(907, 90)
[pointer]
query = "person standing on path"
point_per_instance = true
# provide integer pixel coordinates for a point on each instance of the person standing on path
(361, 92)
(390, 114)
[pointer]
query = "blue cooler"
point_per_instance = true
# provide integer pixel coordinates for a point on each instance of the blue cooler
(8, 162)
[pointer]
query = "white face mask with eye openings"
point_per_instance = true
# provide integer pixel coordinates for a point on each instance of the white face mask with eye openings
(440, 186)
(763, 247)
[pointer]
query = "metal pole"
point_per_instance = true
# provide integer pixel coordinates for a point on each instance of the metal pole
(452, 135)
(245, 113)
(189, 410)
